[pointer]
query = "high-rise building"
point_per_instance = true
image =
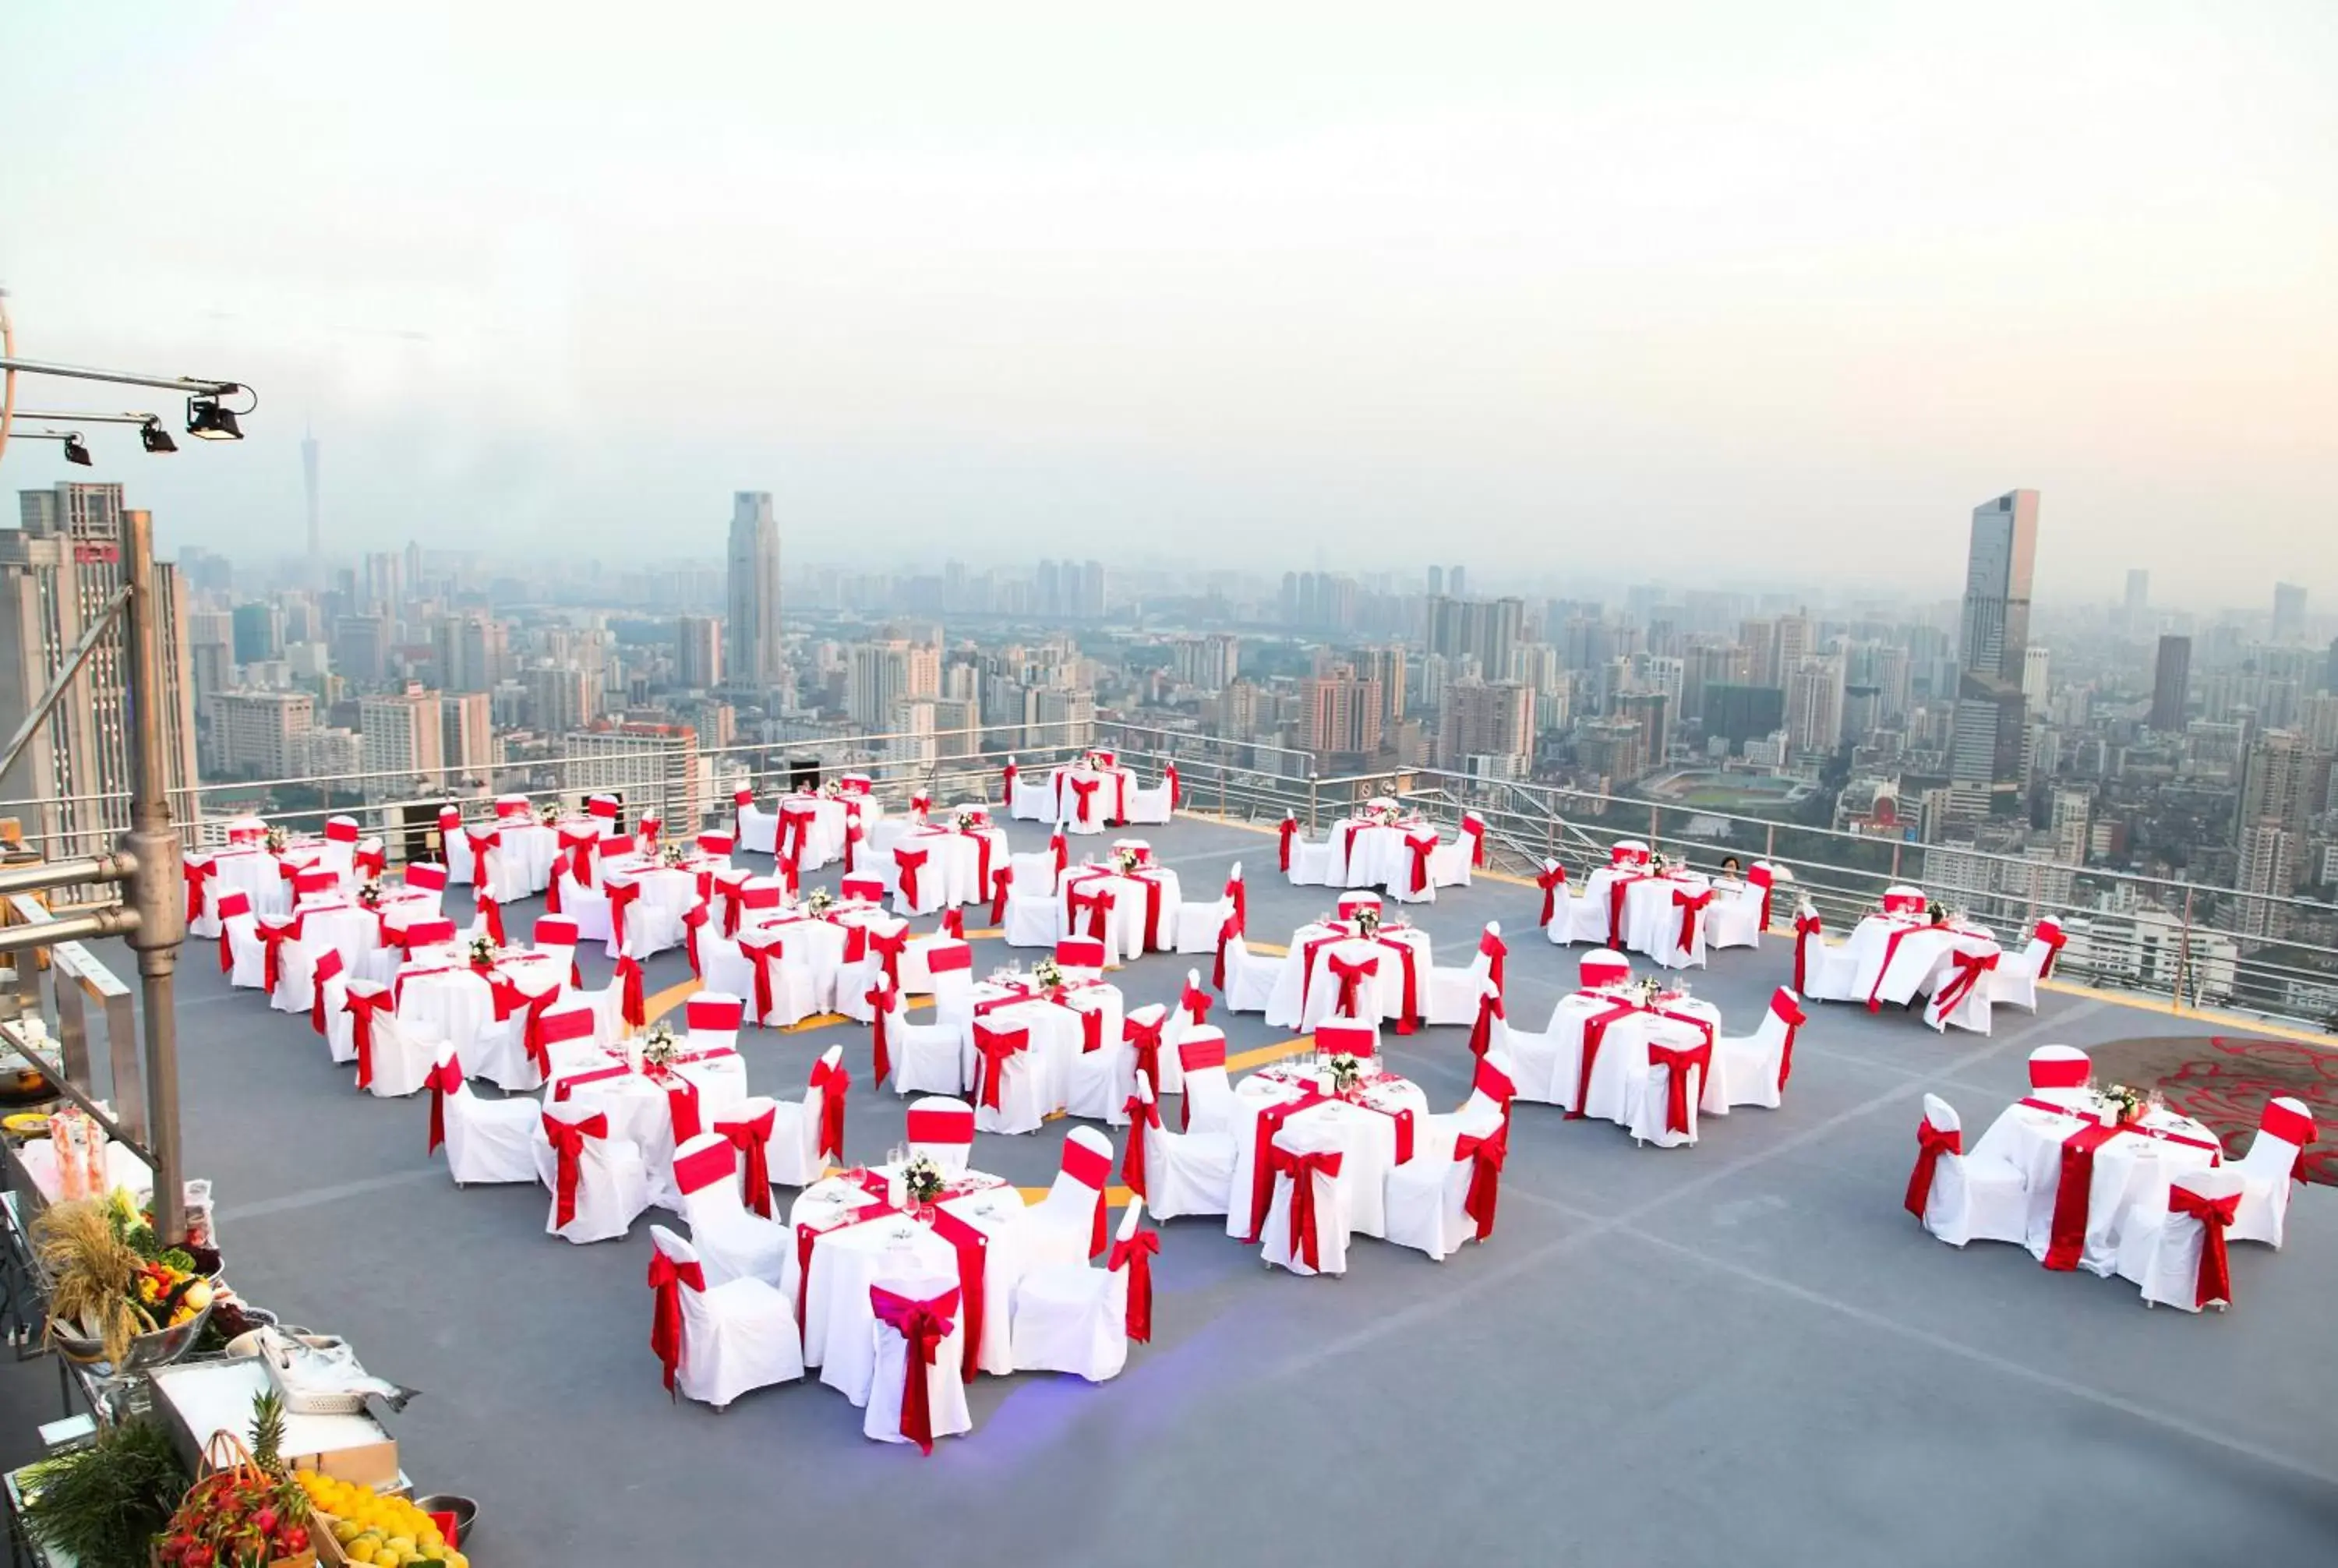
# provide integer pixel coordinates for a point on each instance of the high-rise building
(2267, 871)
(258, 633)
(879, 683)
(1207, 664)
(403, 737)
(561, 698)
(470, 649)
(1436, 581)
(697, 652)
(1343, 711)
(1814, 705)
(654, 767)
(1490, 720)
(2138, 599)
(253, 732)
(57, 573)
(2035, 679)
(1993, 642)
(2288, 612)
(752, 646)
(2171, 685)
(1742, 714)
(466, 737)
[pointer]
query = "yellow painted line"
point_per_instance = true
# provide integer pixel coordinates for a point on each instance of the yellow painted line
(1263, 1054)
(667, 1000)
(1272, 949)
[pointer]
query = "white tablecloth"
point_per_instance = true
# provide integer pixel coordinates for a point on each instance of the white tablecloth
(1371, 855)
(954, 871)
(443, 997)
(673, 890)
(1300, 1001)
(1368, 1143)
(839, 1325)
(1057, 1036)
(1108, 804)
(1921, 951)
(641, 1110)
(1139, 923)
(2131, 1169)
(1623, 1049)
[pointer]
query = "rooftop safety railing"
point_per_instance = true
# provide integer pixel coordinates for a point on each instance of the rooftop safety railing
(2195, 946)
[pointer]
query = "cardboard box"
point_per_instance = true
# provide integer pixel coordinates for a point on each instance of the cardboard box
(210, 1396)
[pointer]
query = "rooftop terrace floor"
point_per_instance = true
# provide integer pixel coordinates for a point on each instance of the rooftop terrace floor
(1743, 1352)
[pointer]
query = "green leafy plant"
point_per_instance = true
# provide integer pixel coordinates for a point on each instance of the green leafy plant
(103, 1504)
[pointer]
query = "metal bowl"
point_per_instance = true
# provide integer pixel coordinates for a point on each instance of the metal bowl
(159, 1348)
(466, 1511)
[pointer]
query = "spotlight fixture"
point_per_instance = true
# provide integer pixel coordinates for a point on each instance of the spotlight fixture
(155, 438)
(77, 451)
(208, 420)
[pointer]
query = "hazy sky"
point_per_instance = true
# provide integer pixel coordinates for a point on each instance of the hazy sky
(1724, 287)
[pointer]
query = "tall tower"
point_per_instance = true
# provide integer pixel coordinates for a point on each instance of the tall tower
(752, 646)
(309, 483)
(1993, 647)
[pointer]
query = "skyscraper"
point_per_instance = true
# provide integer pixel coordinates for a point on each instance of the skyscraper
(2138, 598)
(2171, 683)
(697, 652)
(2288, 612)
(56, 574)
(1992, 649)
(752, 646)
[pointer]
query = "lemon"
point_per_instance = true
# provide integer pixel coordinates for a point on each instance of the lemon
(347, 1529)
(360, 1549)
(401, 1544)
(428, 1536)
(456, 1559)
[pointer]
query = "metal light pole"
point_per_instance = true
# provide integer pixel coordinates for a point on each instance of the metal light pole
(152, 891)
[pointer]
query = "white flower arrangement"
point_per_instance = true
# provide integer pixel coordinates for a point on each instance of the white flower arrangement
(484, 951)
(1368, 922)
(1347, 1072)
(819, 901)
(1048, 975)
(660, 1049)
(548, 813)
(1126, 861)
(2127, 1102)
(922, 1180)
(674, 855)
(275, 839)
(369, 893)
(965, 821)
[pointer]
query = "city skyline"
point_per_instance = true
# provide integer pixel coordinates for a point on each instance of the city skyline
(1541, 287)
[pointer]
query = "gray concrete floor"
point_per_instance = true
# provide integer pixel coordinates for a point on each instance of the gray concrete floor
(1742, 1353)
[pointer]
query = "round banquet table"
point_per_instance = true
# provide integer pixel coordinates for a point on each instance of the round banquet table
(959, 865)
(674, 890)
(640, 1105)
(1306, 992)
(440, 995)
(1058, 1035)
(1899, 956)
(1108, 803)
(1376, 1131)
(836, 1257)
(1368, 854)
(258, 873)
(2131, 1169)
(1144, 909)
(533, 846)
(1678, 1022)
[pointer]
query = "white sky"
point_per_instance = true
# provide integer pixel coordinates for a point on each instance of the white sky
(1729, 287)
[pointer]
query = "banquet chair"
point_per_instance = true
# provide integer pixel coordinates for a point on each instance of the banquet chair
(1602, 967)
(339, 852)
(1962, 1197)
(764, 965)
(712, 843)
(512, 808)
(1306, 865)
(296, 964)
(1307, 1234)
(921, 867)
(949, 968)
(927, 1302)
(1096, 1083)
(1674, 1081)
(718, 1342)
(856, 978)
(504, 876)
(397, 1056)
(1959, 990)
(1209, 1097)
(1493, 1086)
(1189, 1014)
(1249, 982)
(1901, 899)
(1156, 804)
(1091, 910)
(1359, 1038)
(328, 991)
(341, 1025)
(586, 903)
(2014, 981)
(1544, 1067)
(733, 1241)
(500, 1053)
(940, 1129)
(758, 831)
(1177, 1173)
(1453, 991)
(711, 1019)
(1753, 1068)
(203, 894)
(2277, 1156)
(1736, 915)
(454, 845)
(1198, 924)
(314, 882)
(1024, 800)
(1081, 958)
(570, 1031)
(2058, 1074)
(1450, 863)
(1577, 914)
(1067, 1226)
(1413, 882)
(1008, 1079)
(752, 1125)
(651, 927)
(243, 957)
(2175, 1254)
(427, 876)
(1032, 914)
(1445, 1195)
(555, 936)
(607, 1184)
(794, 1155)
(924, 1058)
(619, 1006)
(1826, 973)
(487, 1140)
(1076, 1319)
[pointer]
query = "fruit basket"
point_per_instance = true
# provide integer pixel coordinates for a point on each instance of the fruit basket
(158, 1348)
(355, 1524)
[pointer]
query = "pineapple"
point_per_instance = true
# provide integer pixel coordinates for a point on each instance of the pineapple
(268, 1432)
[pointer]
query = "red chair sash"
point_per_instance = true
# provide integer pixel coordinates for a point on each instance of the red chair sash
(923, 1326)
(1931, 1142)
(1481, 1033)
(329, 967)
(1303, 1170)
(1806, 931)
(880, 1006)
(1141, 1113)
(567, 1141)
(1001, 881)
(751, 1137)
(1090, 1167)
(361, 1006)
(973, 1249)
(1351, 974)
(1690, 905)
(939, 1126)
(444, 1079)
(831, 1081)
(1550, 882)
(2214, 1214)
(1787, 1012)
(1487, 1156)
(2059, 1072)
(197, 873)
(1137, 1255)
(1290, 832)
(909, 862)
(2051, 934)
(1475, 832)
(668, 1278)
(2291, 1127)
(1969, 967)
(1496, 953)
(1144, 1038)
(621, 898)
(889, 947)
(1422, 846)
(1679, 1060)
(632, 1005)
(1085, 789)
(994, 1046)
(1764, 878)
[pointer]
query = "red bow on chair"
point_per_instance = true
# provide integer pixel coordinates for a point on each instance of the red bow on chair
(791, 868)
(879, 999)
(1000, 880)
(197, 873)
(1085, 789)
(361, 1006)
(1475, 830)
(753, 1139)
(1931, 1144)
(1421, 848)
(923, 1326)
(580, 861)
(1197, 1004)
(445, 1079)
(994, 1046)
(1169, 777)
(1679, 1059)
(2214, 1214)
(1137, 1255)
(1690, 905)
(831, 1082)
(909, 861)
(621, 898)
(1481, 1033)
(567, 1141)
(2051, 934)
(668, 1278)
(1303, 1170)
(954, 923)
(1807, 928)
(1239, 899)
(888, 948)
(329, 967)
(763, 957)
(1969, 967)
(1290, 832)
(1550, 882)
(272, 938)
(1226, 933)
(493, 914)
(1496, 953)
(1145, 1040)
(694, 919)
(1350, 972)
(1060, 847)
(1793, 1018)
(852, 838)
(1007, 783)
(1097, 903)
(1141, 1113)
(509, 999)
(1764, 877)
(1486, 1156)
(631, 1007)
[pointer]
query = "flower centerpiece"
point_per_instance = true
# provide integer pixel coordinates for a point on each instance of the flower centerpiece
(660, 1049)
(965, 820)
(1368, 922)
(1048, 975)
(1937, 914)
(829, 789)
(549, 813)
(1347, 1072)
(672, 856)
(921, 1181)
(819, 901)
(276, 839)
(484, 951)
(1096, 763)
(369, 892)
(1125, 861)
(1652, 991)
(2127, 1103)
